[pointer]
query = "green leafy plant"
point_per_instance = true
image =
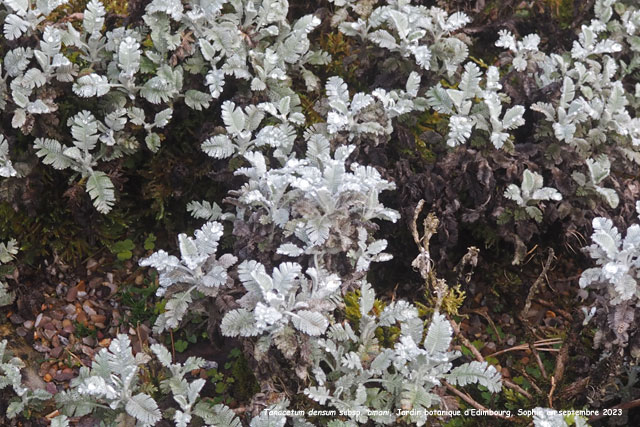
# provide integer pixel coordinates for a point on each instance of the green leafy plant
(123, 249)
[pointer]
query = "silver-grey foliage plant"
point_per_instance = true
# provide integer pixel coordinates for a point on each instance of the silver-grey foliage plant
(311, 205)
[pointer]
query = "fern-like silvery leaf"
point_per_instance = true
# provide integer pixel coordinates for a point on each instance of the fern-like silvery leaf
(367, 298)
(239, 322)
(18, 6)
(606, 236)
(205, 210)
(289, 249)
(8, 250)
(476, 372)
(513, 117)
(84, 129)
(218, 147)
(51, 150)
(233, 117)
(129, 57)
(143, 408)
(413, 84)
(439, 100)
(172, 8)
(162, 118)
(162, 354)
(100, 188)
(337, 91)
(438, 335)
(91, 85)
(218, 415)
(189, 251)
(460, 128)
(599, 168)
(470, 81)
(197, 100)
(310, 322)
(319, 394)
(93, 18)
(15, 26)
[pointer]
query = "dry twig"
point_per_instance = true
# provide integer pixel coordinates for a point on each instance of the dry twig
(527, 305)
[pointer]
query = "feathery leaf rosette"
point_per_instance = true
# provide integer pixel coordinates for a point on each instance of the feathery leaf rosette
(187, 394)
(316, 199)
(412, 31)
(618, 260)
(10, 376)
(353, 371)
(523, 51)
(198, 268)
(286, 296)
(488, 117)
(112, 381)
(344, 112)
(531, 191)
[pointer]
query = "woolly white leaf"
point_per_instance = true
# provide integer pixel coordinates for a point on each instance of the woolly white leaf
(513, 117)
(423, 57)
(93, 17)
(162, 354)
(163, 117)
(84, 129)
(599, 168)
(205, 210)
(218, 147)
(100, 188)
(18, 6)
(15, 26)
(129, 57)
(413, 84)
(367, 298)
(337, 90)
(8, 250)
(289, 249)
(610, 195)
(606, 236)
(319, 394)
(310, 322)
(460, 128)
(470, 80)
(239, 322)
(233, 117)
(197, 100)
(144, 408)
(476, 372)
(91, 85)
(218, 415)
(439, 335)
(51, 150)
(589, 276)
(172, 8)
(439, 99)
